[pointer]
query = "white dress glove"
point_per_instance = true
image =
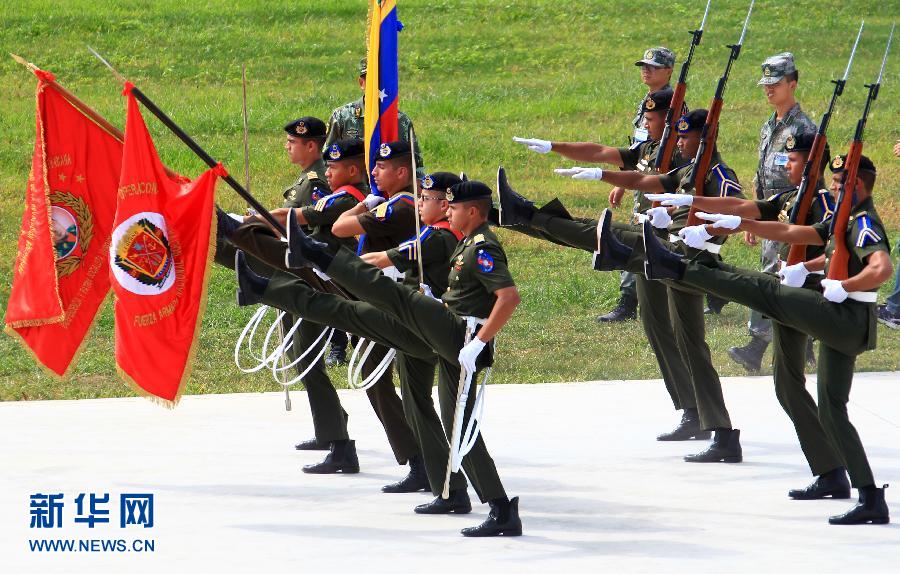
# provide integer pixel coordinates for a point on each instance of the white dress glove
(539, 146)
(793, 275)
(372, 200)
(469, 353)
(721, 221)
(833, 290)
(695, 236)
(659, 217)
(581, 172)
(236, 217)
(426, 290)
(671, 199)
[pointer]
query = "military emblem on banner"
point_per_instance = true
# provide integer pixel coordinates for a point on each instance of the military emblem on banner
(72, 227)
(140, 254)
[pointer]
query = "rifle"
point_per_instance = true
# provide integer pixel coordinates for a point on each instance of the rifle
(710, 130)
(840, 259)
(667, 141)
(813, 168)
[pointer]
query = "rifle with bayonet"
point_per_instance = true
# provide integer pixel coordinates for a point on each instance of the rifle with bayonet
(667, 141)
(840, 259)
(813, 168)
(710, 130)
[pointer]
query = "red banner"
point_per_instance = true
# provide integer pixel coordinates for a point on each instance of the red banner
(60, 278)
(160, 254)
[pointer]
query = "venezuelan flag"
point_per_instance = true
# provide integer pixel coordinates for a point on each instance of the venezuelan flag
(382, 80)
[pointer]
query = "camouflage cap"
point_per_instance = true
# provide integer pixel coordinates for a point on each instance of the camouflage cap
(839, 161)
(468, 190)
(692, 121)
(657, 101)
(391, 150)
(776, 67)
(346, 149)
(363, 65)
(659, 57)
(306, 127)
(439, 181)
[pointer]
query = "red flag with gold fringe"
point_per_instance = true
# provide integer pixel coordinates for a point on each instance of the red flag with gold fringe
(160, 254)
(60, 278)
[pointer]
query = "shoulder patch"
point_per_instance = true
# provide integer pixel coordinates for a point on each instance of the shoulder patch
(867, 235)
(484, 261)
(478, 239)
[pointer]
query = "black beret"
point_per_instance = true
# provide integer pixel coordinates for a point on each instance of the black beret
(440, 181)
(341, 150)
(799, 142)
(467, 191)
(865, 164)
(657, 101)
(306, 127)
(692, 121)
(391, 150)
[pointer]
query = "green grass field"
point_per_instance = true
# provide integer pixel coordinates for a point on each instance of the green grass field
(473, 74)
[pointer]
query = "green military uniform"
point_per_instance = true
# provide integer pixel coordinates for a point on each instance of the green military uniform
(844, 330)
(309, 188)
(789, 345)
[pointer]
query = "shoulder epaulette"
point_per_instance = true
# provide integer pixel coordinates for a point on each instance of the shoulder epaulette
(478, 239)
(312, 175)
(727, 185)
(867, 235)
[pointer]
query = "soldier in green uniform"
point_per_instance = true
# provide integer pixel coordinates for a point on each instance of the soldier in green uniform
(348, 121)
(655, 314)
(686, 306)
(840, 313)
(779, 83)
(789, 344)
(480, 299)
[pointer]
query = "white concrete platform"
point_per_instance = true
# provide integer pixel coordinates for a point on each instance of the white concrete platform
(598, 493)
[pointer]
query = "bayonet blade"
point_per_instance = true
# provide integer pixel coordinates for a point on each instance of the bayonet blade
(853, 52)
(705, 14)
(886, 51)
(746, 23)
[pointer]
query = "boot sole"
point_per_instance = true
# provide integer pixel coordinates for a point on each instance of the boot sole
(503, 532)
(699, 436)
(832, 495)
(855, 523)
(387, 490)
(343, 470)
(463, 510)
(727, 459)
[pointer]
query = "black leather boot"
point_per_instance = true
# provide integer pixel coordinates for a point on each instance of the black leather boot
(871, 508)
(833, 483)
(503, 520)
(313, 444)
(458, 503)
(342, 458)
(611, 254)
(625, 310)
(515, 209)
(415, 481)
(687, 429)
(750, 355)
(659, 262)
(303, 250)
(251, 286)
(726, 447)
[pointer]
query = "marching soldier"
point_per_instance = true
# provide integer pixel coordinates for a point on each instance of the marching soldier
(840, 313)
(779, 83)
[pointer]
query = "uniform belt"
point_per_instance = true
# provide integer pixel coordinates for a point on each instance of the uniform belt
(820, 272)
(863, 296)
(707, 246)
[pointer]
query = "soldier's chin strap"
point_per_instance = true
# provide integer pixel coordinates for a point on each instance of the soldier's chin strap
(462, 442)
(354, 366)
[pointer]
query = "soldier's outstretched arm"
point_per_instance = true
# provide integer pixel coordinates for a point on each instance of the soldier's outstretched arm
(783, 232)
(728, 205)
(578, 151)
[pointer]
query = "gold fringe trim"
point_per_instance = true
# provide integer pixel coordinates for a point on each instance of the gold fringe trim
(40, 89)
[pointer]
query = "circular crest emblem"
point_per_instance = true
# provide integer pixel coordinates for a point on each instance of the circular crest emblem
(838, 162)
(301, 128)
(64, 230)
(427, 182)
(767, 71)
(72, 228)
(384, 150)
(449, 196)
(683, 126)
(649, 104)
(648, 55)
(140, 255)
(334, 152)
(790, 143)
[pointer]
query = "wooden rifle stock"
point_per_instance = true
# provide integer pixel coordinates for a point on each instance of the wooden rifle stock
(808, 188)
(840, 258)
(707, 148)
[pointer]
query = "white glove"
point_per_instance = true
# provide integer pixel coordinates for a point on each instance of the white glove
(833, 290)
(671, 199)
(540, 146)
(793, 275)
(581, 172)
(469, 353)
(721, 221)
(695, 236)
(372, 200)
(425, 289)
(236, 217)
(659, 217)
